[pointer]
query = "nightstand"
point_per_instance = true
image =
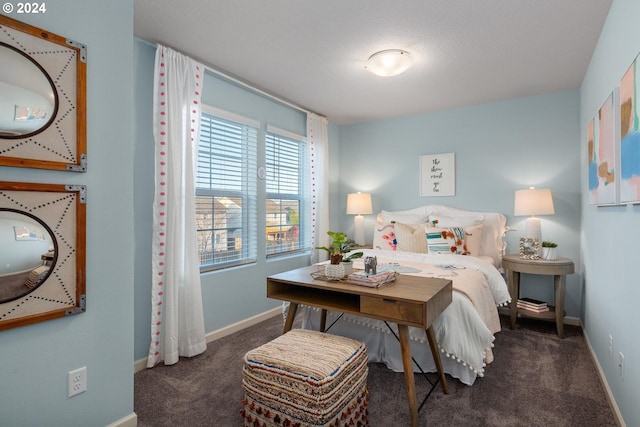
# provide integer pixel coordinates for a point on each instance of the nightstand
(558, 268)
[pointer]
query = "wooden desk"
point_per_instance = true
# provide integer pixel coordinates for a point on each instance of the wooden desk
(409, 301)
(558, 268)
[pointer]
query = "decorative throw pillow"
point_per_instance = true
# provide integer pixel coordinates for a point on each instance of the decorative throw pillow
(446, 240)
(384, 236)
(411, 237)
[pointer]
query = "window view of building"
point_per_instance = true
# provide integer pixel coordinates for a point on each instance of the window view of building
(226, 192)
(286, 160)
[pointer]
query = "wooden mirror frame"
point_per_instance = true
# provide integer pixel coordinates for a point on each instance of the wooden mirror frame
(63, 293)
(63, 144)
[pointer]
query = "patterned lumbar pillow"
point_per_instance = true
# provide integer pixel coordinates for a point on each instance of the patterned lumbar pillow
(446, 240)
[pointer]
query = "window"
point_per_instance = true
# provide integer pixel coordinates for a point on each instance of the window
(226, 190)
(286, 193)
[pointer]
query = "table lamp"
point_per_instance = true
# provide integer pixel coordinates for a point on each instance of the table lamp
(533, 202)
(359, 204)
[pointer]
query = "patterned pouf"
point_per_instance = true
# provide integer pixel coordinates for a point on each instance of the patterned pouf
(306, 378)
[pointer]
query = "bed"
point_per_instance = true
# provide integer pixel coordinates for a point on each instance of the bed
(436, 241)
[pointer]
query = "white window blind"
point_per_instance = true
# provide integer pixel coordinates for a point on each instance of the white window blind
(226, 192)
(287, 191)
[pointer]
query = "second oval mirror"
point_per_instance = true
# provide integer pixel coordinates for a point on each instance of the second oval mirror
(27, 254)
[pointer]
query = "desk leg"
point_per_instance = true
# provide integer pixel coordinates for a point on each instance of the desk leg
(431, 336)
(407, 364)
(291, 315)
(323, 320)
(514, 290)
(559, 287)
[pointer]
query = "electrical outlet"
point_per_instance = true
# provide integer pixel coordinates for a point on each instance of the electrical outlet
(77, 381)
(621, 365)
(610, 347)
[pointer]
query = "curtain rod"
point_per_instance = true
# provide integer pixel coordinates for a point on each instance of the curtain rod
(244, 84)
(256, 90)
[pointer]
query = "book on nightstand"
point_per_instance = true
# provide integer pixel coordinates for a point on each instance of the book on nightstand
(534, 305)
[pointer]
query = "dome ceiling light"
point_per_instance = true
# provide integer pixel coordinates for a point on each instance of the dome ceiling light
(389, 62)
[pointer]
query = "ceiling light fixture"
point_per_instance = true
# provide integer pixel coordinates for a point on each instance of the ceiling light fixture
(389, 62)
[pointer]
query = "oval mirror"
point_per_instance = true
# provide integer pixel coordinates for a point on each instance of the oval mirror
(27, 254)
(28, 98)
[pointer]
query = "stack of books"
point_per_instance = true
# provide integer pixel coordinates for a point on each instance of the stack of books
(371, 280)
(534, 305)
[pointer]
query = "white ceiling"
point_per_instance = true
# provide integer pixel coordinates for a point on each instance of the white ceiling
(312, 53)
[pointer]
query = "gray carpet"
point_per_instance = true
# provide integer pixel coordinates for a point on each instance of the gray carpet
(536, 379)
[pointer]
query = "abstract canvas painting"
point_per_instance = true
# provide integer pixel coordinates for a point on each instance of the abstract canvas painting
(629, 136)
(603, 170)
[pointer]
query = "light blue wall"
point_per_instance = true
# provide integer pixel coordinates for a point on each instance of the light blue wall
(35, 359)
(499, 148)
(230, 295)
(610, 235)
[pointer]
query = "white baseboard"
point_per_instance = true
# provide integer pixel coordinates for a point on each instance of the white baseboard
(238, 326)
(130, 420)
(605, 384)
(141, 364)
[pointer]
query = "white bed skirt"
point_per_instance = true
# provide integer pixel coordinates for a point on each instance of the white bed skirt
(385, 348)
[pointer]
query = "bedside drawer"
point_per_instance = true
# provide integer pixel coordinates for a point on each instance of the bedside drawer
(402, 311)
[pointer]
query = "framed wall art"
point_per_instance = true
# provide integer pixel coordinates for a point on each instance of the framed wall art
(630, 135)
(43, 107)
(437, 175)
(41, 278)
(604, 180)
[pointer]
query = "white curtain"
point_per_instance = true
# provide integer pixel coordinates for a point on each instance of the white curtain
(177, 321)
(318, 137)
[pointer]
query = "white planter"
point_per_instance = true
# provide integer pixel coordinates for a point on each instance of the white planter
(348, 267)
(334, 271)
(549, 254)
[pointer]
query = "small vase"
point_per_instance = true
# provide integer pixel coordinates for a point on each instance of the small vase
(334, 271)
(549, 254)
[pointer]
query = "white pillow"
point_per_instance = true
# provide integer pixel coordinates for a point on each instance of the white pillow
(459, 221)
(473, 238)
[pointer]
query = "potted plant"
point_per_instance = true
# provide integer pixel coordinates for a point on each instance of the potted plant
(340, 245)
(549, 250)
(347, 261)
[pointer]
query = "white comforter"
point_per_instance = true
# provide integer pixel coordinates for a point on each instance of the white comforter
(465, 330)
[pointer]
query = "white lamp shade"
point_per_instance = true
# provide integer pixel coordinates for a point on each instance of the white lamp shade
(533, 202)
(359, 204)
(389, 62)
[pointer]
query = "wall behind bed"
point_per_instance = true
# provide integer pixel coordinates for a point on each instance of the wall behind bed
(499, 148)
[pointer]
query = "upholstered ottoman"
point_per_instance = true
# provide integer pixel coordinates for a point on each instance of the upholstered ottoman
(306, 378)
